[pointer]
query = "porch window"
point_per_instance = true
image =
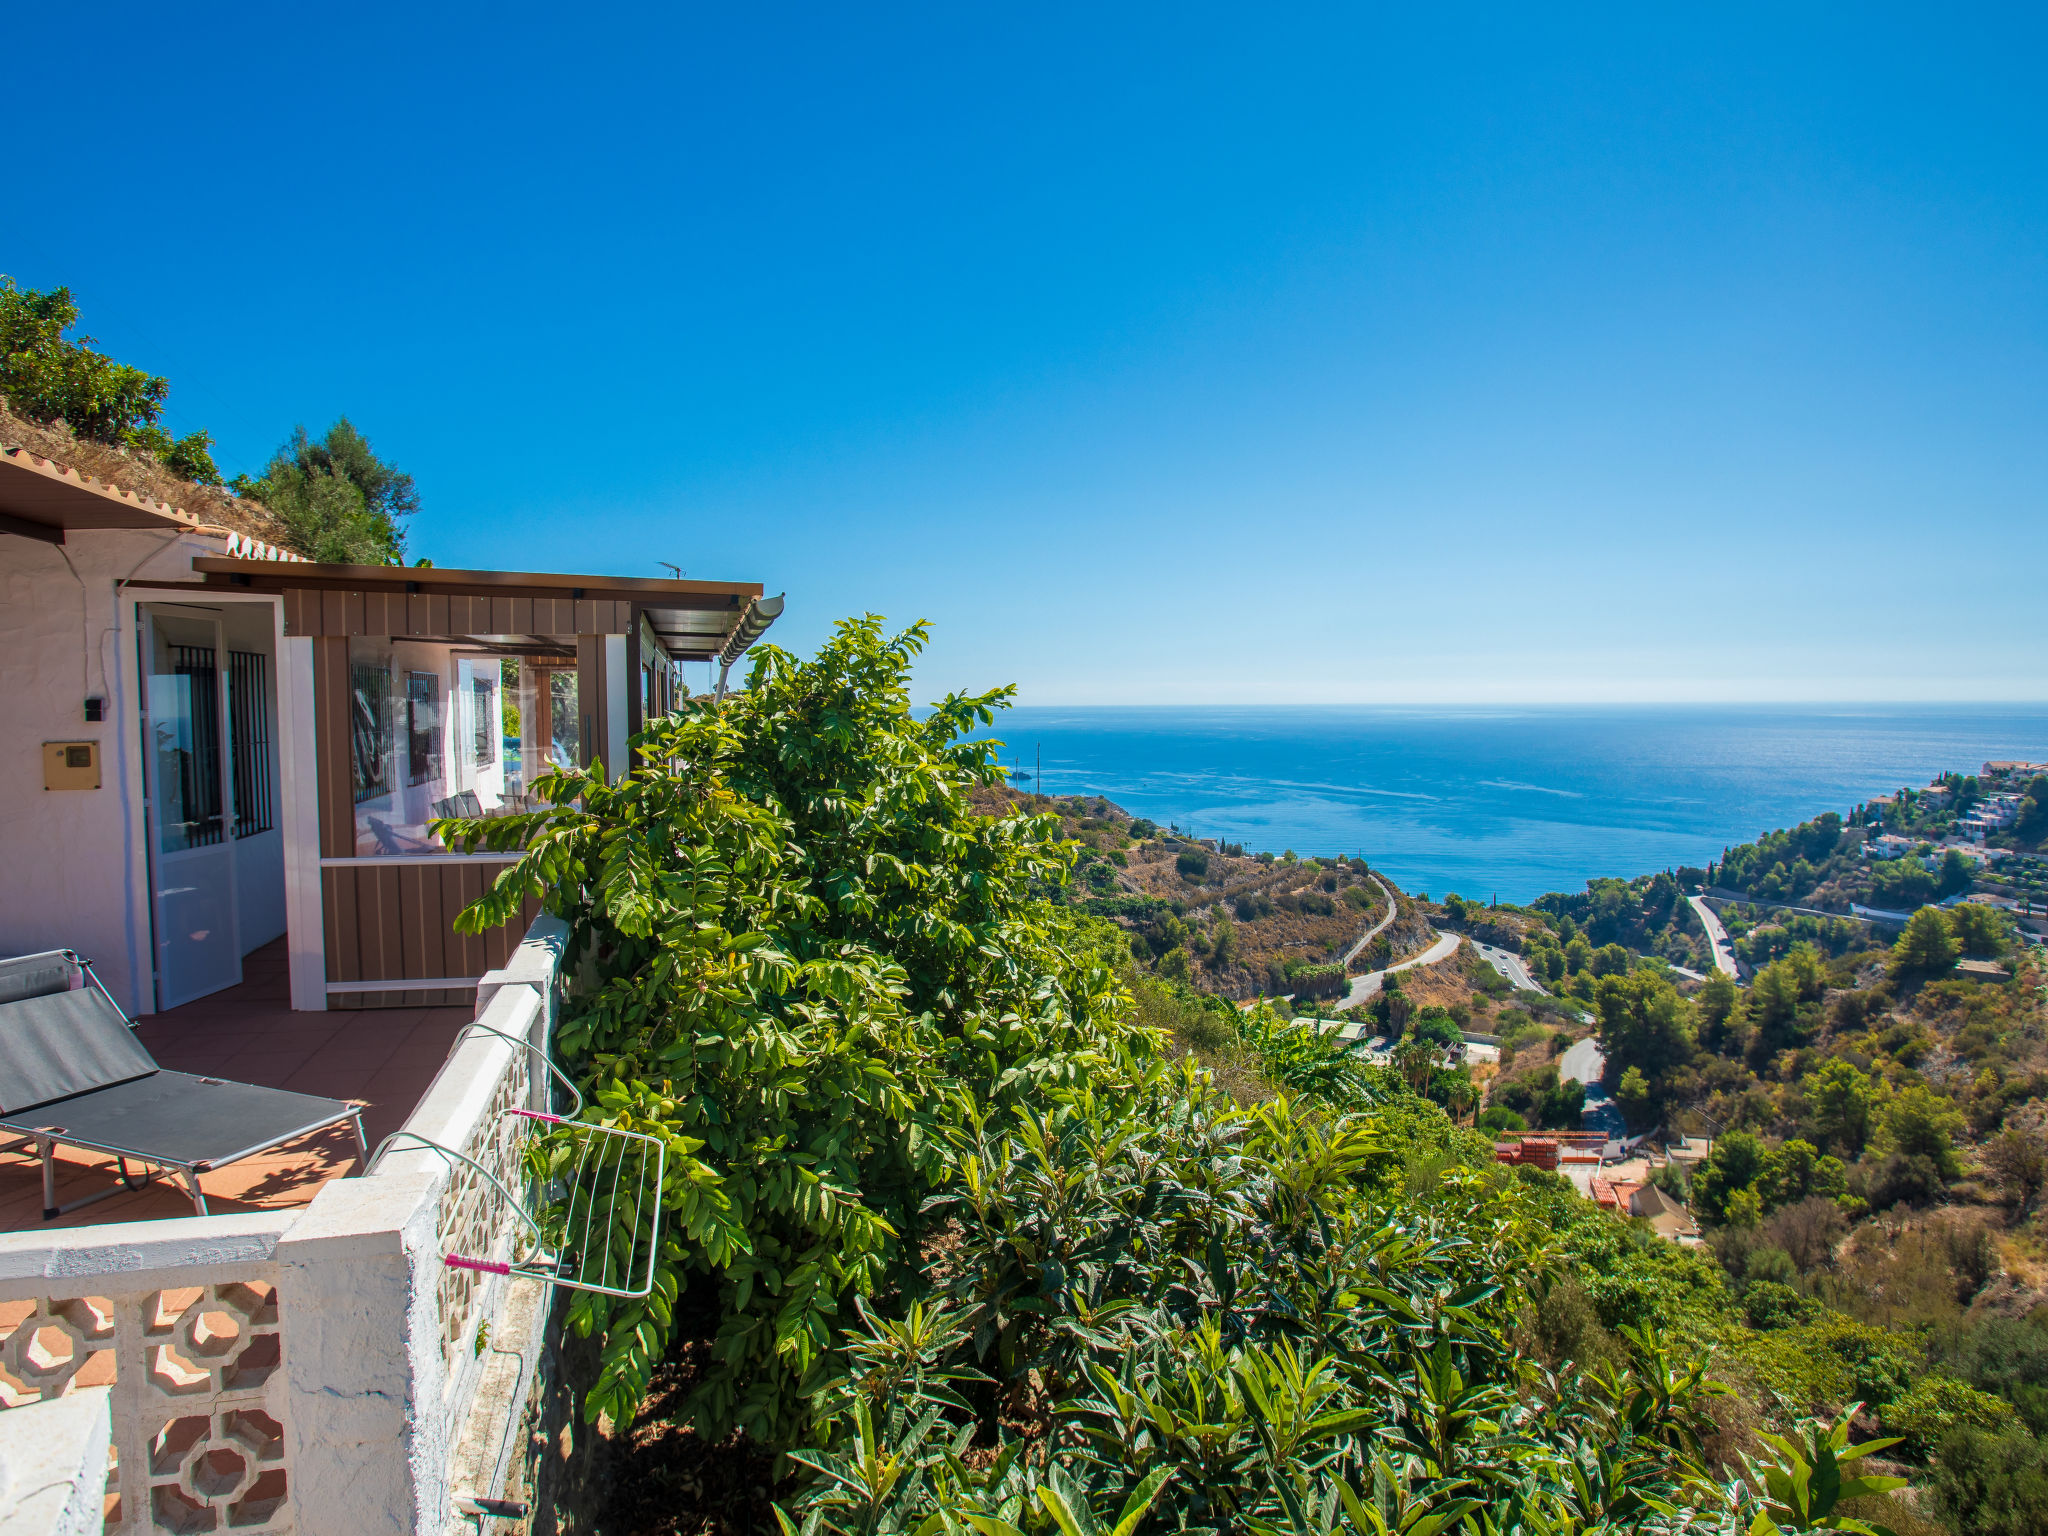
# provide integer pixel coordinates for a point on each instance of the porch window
(422, 727)
(443, 729)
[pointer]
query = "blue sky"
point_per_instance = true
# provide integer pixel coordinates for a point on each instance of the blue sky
(1171, 355)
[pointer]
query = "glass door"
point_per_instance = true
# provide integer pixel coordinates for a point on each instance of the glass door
(188, 757)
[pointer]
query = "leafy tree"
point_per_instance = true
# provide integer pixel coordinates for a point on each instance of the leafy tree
(1644, 1023)
(1713, 1006)
(806, 962)
(337, 500)
(2017, 1158)
(1737, 1163)
(1632, 1096)
(2007, 1356)
(49, 377)
(1939, 1405)
(1979, 930)
(1500, 1120)
(1925, 948)
(1800, 1171)
(1992, 1485)
(1901, 883)
(1783, 1005)
(1223, 952)
(1956, 872)
(2033, 817)
(1918, 1122)
(1841, 1101)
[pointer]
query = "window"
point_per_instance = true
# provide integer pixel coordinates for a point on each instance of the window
(189, 750)
(370, 729)
(565, 721)
(249, 730)
(422, 727)
(484, 720)
(441, 728)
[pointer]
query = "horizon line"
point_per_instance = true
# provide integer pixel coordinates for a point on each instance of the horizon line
(1991, 703)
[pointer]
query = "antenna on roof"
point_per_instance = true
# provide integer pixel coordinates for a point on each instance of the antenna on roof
(667, 565)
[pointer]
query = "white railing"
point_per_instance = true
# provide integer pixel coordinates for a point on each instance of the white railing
(270, 1364)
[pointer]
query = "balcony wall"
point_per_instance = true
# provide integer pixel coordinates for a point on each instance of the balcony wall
(264, 1366)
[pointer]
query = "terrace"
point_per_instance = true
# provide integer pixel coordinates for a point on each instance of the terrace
(384, 1058)
(302, 1347)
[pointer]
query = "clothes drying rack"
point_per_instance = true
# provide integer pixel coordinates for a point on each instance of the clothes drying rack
(581, 1224)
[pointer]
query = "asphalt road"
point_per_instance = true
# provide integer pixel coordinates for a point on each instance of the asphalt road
(1509, 964)
(1584, 1063)
(1368, 985)
(1724, 952)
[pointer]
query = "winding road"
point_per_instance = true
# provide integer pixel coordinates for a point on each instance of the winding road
(1368, 985)
(1717, 936)
(1377, 928)
(1509, 964)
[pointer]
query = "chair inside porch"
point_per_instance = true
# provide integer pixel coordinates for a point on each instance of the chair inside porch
(385, 1057)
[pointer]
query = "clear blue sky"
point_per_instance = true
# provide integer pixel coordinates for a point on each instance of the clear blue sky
(1177, 355)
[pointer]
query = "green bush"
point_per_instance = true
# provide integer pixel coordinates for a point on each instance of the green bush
(1991, 1485)
(1317, 980)
(1768, 1304)
(805, 961)
(1940, 1405)
(47, 376)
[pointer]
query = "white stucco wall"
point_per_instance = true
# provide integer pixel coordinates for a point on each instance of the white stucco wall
(74, 859)
(53, 1465)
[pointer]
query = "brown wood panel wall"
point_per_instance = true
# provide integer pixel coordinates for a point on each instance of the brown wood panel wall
(333, 782)
(396, 923)
(311, 611)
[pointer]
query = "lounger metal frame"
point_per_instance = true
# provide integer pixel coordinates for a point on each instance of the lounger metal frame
(46, 1139)
(47, 1142)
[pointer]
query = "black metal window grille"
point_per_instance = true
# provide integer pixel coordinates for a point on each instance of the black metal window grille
(198, 766)
(249, 717)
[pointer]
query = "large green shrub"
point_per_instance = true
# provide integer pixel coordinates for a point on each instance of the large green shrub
(804, 959)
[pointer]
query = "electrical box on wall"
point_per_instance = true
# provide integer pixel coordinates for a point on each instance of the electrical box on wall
(71, 765)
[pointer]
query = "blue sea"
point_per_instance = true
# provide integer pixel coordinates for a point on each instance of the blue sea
(1510, 801)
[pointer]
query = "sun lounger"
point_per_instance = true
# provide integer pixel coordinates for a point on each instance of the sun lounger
(72, 1073)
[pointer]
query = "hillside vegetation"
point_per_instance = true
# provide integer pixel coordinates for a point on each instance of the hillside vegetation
(985, 1218)
(329, 498)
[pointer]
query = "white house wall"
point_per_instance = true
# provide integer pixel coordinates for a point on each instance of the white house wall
(75, 876)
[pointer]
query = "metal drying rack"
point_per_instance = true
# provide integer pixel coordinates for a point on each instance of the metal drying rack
(628, 1166)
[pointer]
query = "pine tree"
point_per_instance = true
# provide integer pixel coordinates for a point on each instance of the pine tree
(1925, 948)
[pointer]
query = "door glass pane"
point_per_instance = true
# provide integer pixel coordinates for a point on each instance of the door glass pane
(192, 862)
(564, 722)
(184, 718)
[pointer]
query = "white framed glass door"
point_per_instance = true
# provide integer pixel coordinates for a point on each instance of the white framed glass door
(188, 756)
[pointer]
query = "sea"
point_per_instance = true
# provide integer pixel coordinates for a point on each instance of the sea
(1503, 802)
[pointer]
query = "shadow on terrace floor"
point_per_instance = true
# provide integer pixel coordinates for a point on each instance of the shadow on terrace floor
(383, 1056)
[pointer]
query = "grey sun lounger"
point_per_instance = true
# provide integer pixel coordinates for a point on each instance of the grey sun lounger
(73, 1074)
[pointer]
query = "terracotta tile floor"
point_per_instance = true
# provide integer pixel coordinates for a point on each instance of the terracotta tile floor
(384, 1056)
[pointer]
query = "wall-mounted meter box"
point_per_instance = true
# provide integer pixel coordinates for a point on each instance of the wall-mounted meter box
(71, 765)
